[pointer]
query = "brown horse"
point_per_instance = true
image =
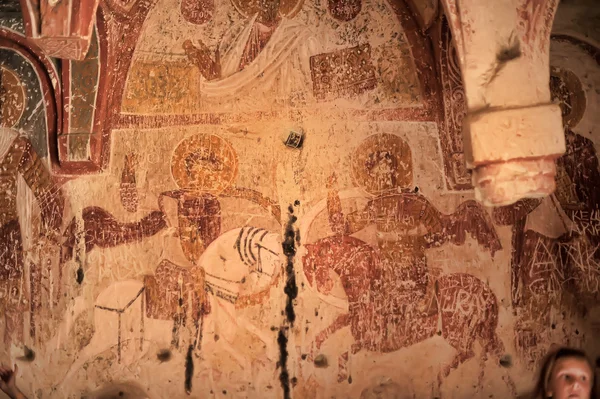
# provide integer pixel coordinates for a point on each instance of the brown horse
(383, 317)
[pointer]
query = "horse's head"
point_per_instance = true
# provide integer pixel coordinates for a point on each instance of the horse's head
(316, 265)
(269, 255)
(249, 257)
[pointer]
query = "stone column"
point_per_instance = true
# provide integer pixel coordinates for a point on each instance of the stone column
(513, 133)
(62, 29)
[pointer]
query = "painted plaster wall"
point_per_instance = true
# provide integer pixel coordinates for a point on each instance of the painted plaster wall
(171, 271)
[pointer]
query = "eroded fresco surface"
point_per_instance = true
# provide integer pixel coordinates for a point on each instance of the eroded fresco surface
(285, 213)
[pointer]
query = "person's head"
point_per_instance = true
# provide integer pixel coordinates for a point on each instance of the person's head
(383, 162)
(268, 10)
(566, 89)
(566, 373)
(382, 166)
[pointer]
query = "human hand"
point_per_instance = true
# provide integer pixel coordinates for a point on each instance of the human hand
(8, 381)
(201, 56)
(331, 181)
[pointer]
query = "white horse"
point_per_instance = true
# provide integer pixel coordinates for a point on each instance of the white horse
(240, 267)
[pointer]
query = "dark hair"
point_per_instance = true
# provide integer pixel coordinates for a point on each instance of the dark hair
(548, 368)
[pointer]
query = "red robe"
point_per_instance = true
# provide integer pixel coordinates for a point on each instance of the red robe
(22, 160)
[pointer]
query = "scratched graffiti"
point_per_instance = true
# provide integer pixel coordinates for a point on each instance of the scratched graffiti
(213, 292)
(25, 180)
(586, 222)
(12, 98)
(32, 205)
(458, 177)
(345, 72)
(228, 272)
(266, 55)
(393, 299)
(176, 293)
(197, 12)
(555, 261)
(128, 187)
(178, 269)
(344, 10)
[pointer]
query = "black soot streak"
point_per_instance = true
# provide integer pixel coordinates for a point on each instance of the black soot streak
(189, 370)
(80, 275)
(289, 249)
(284, 376)
(291, 239)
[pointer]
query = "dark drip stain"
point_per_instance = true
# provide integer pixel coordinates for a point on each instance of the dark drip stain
(164, 355)
(509, 51)
(199, 324)
(284, 376)
(289, 250)
(189, 369)
(506, 361)
(80, 275)
(175, 332)
(28, 355)
(291, 239)
(119, 339)
(321, 361)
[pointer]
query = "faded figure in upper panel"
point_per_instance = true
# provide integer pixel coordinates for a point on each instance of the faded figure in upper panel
(267, 53)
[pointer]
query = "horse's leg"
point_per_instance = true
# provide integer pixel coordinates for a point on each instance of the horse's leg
(78, 307)
(244, 363)
(461, 330)
(224, 317)
(341, 321)
(343, 367)
(175, 335)
(221, 318)
(458, 329)
(272, 350)
(495, 346)
(488, 337)
(106, 335)
(511, 385)
(97, 345)
(482, 361)
(461, 357)
(345, 362)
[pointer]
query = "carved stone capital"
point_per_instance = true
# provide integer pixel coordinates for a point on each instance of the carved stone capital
(62, 29)
(506, 134)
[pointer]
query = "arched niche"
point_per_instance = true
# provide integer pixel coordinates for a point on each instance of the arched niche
(32, 91)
